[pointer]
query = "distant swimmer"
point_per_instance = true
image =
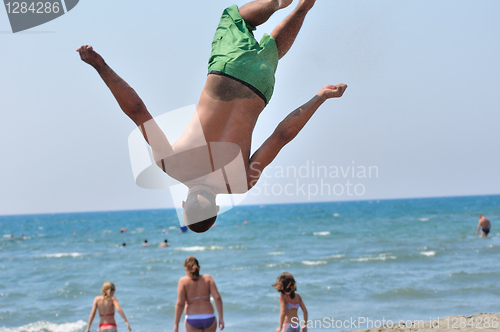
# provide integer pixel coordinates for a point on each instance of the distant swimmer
(106, 304)
(123, 245)
(484, 224)
(193, 293)
(213, 155)
(145, 244)
(164, 244)
(290, 302)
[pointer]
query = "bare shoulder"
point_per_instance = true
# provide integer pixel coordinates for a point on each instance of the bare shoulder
(207, 277)
(183, 280)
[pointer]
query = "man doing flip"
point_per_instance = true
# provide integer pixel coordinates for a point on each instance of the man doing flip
(239, 85)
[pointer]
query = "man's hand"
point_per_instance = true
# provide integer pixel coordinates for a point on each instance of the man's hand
(333, 91)
(88, 55)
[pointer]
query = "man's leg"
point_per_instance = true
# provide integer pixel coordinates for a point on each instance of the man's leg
(258, 12)
(131, 104)
(286, 32)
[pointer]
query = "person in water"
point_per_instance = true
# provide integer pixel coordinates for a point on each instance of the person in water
(212, 156)
(484, 225)
(193, 295)
(290, 302)
(164, 244)
(107, 304)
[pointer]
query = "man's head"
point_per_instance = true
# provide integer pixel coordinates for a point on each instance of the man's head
(200, 210)
(480, 216)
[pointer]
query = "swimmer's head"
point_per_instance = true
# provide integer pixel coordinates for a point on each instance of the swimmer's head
(480, 216)
(108, 289)
(285, 284)
(200, 210)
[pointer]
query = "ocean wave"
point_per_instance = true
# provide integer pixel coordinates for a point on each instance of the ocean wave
(428, 253)
(405, 293)
(314, 262)
(44, 326)
(283, 264)
(335, 256)
(199, 248)
(239, 268)
(276, 253)
(381, 257)
(236, 247)
(423, 219)
(59, 255)
(321, 233)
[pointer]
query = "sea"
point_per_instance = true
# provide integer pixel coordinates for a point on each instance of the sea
(393, 260)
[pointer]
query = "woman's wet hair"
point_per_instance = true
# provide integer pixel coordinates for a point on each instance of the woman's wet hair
(200, 211)
(107, 288)
(193, 267)
(286, 284)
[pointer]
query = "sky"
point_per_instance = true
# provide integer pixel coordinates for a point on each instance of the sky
(419, 119)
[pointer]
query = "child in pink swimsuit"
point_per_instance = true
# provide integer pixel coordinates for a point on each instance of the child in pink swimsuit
(107, 304)
(290, 302)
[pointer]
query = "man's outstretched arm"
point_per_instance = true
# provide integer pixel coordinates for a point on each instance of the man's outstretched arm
(131, 104)
(287, 130)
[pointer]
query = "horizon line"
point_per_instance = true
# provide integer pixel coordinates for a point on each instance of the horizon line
(265, 204)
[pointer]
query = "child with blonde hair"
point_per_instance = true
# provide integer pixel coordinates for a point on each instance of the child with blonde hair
(106, 304)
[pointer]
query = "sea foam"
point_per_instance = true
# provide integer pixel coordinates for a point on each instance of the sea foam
(59, 255)
(44, 326)
(314, 262)
(199, 248)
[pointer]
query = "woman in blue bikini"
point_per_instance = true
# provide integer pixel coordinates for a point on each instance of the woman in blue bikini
(193, 293)
(290, 302)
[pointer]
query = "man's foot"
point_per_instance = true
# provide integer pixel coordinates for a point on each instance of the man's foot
(88, 55)
(284, 3)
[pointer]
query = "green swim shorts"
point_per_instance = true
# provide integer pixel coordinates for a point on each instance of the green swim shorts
(237, 54)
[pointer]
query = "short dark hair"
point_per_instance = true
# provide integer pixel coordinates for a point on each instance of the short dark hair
(200, 211)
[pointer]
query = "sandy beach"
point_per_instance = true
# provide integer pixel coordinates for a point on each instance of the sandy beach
(471, 323)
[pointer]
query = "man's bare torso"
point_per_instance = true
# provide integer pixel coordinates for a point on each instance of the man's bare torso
(227, 112)
(484, 223)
